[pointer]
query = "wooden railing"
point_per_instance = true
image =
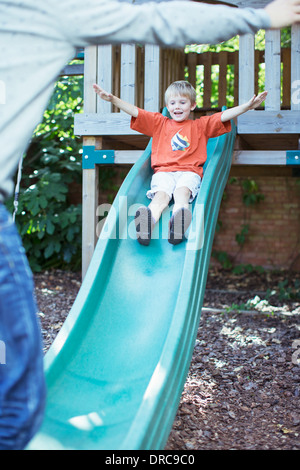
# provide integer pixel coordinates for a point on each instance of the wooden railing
(281, 84)
(206, 61)
(129, 64)
(227, 81)
(140, 75)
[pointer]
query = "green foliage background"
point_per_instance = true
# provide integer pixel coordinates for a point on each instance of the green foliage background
(49, 225)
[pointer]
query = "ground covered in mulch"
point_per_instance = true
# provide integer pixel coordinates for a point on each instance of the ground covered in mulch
(243, 387)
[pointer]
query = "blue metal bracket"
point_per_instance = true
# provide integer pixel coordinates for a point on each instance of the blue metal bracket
(293, 157)
(92, 157)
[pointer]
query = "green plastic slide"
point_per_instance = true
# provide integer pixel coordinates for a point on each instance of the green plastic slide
(116, 371)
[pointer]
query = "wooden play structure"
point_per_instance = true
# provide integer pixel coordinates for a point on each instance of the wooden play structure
(140, 74)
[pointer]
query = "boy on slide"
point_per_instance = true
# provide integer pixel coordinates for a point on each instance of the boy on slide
(178, 154)
(37, 39)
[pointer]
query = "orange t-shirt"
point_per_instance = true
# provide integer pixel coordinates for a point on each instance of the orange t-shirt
(179, 146)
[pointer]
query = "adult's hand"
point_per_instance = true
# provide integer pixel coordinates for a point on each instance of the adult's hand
(283, 13)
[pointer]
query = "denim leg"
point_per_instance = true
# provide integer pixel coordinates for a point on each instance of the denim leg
(22, 384)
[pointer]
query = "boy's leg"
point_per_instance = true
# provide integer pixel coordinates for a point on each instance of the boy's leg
(187, 187)
(158, 204)
(182, 197)
(181, 217)
(146, 217)
(160, 193)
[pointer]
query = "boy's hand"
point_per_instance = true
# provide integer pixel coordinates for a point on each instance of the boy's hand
(102, 93)
(123, 105)
(283, 13)
(257, 100)
(233, 113)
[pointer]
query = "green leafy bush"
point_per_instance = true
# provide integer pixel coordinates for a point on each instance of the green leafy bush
(49, 225)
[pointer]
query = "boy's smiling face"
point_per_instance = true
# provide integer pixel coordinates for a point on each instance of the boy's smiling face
(180, 107)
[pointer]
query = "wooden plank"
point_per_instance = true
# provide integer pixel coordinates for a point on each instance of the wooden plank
(273, 70)
(90, 77)
(295, 68)
(246, 67)
(256, 71)
(72, 70)
(104, 76)
(162, 77)
(116, 74)
(140, 73)
(236, 79)
(89, 177)
(103, 124)
(200, 59)
(168, 68)
(151, 88)
(89, 206)
(240, 157)
(253, 122)
(127, 156)
(222, 86)
(286, 77)
(259, 157)
(127, 91)
(207, 80)
(192, 67)
(269, 122)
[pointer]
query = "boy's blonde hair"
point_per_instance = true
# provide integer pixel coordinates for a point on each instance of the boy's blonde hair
(181, 87)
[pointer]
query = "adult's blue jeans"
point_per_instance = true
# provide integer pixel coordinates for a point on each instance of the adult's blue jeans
(22, 384)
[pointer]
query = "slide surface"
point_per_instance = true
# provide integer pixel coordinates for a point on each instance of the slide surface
(116, 371)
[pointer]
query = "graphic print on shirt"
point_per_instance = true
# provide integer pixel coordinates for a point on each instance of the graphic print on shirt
(179, 142)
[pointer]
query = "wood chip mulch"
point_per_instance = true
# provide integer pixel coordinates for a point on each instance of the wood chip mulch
(243, 388)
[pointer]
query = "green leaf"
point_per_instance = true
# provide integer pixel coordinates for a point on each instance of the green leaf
(49, 250)
(50, 227)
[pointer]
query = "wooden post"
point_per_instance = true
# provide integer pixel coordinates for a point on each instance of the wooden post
(128, 77)
(90, 193)
(295, 68)
(236, 78)
(246, 68)
(207, 80)
(104, 76)
(151, 90)
(273, 70)
(256, 71)
(222, 100)
(192, 67)
(89, 177)
(286, 77)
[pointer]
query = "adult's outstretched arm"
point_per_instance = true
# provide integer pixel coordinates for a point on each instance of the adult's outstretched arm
(173, 24)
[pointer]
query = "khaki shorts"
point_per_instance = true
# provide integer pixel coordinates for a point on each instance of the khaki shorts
(168, 181)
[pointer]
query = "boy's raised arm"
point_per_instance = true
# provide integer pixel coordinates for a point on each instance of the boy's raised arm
(232, 113)
(128, 108)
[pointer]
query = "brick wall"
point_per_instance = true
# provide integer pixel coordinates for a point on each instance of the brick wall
(273, 240)
(274, 224)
